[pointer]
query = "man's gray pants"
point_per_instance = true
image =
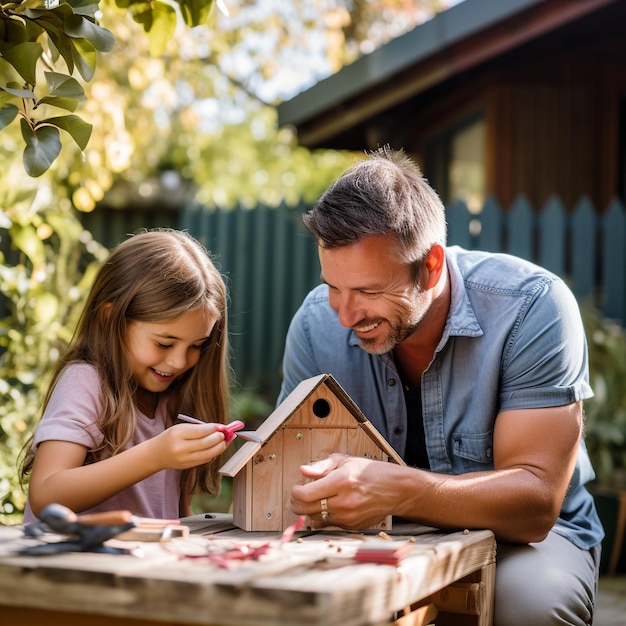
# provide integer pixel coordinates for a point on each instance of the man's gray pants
(545, 584)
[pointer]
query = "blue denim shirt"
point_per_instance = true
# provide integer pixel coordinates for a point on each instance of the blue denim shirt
(513, 339)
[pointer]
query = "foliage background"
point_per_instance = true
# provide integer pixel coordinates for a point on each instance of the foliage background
(605, 413)
(168, 97)
(197, 102)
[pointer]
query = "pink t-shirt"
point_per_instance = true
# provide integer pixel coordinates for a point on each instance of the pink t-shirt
(72, 415)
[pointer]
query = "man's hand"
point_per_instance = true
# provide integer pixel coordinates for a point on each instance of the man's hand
(534, 457)
(356, 491)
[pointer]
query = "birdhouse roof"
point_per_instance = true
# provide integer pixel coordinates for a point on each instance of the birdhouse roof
(288, 408)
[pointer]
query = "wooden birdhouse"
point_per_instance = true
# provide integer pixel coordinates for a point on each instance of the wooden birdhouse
(317, 419)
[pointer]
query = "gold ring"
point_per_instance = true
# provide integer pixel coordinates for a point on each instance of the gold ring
(325, 513)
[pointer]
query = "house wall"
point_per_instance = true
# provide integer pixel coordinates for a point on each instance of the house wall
(552, 112)
(554, 129)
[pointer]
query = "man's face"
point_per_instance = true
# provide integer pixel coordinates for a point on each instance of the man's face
(373, 293)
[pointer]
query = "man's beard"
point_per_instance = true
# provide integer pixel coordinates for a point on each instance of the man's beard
(399, 331)
(397, 334)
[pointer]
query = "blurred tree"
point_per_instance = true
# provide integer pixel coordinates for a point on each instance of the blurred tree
(179, 87)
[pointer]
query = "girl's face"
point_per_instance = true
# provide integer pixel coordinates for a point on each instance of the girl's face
(160, 352)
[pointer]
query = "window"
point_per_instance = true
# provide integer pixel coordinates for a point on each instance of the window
(455, 163)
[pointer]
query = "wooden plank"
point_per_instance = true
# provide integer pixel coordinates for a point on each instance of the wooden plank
(208, 523)
(326, 441)
(240, 289)
(419, 616)
(242, 498)
(260, 322)
(614, 262)
(314, 582)
(278, 295)
(490, 237)
(584, 247)
(43, 617)
(469, 602)
(358, 443)
(459, 224)
(266, 488)
(552, 237)
(297, 450)
(520, 229)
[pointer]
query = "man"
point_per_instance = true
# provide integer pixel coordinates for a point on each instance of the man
(473, 366)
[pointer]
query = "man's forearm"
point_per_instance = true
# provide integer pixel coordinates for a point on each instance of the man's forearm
(514, 503)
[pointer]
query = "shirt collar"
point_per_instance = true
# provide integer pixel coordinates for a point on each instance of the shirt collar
(461, 318)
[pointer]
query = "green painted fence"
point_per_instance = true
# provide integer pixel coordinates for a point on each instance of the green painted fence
(270, 261)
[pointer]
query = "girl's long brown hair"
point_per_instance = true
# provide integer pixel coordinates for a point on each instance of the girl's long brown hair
(153, 276)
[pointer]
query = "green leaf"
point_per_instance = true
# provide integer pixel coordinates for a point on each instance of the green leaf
(162, 28)
(65, 91)
(33, 30)
(43, 146)
(14, 30)
(195, 12)
(25, 239)
(84, 7)
(74, 125)
(142, 14)
(56, 13)
(62, 45)
(79, 27)
(18, 91)
(64, 86)
(23, 57)
(7, 115)
(84, 55)
(69, 104)
(5, 97)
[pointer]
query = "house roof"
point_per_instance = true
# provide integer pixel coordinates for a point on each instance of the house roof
(289, 406)
(454, 41)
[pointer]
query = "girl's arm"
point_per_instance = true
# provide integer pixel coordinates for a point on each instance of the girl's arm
(59, 474)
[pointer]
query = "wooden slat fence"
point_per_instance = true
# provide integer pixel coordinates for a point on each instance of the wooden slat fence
(584, 247)
(270, 261)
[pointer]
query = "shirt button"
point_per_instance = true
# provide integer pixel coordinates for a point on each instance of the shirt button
(398, 430)
(391, 382)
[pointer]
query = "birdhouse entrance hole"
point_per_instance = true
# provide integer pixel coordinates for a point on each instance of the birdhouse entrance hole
(321, 408)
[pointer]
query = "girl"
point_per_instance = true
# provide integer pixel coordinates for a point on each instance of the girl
(151, 343)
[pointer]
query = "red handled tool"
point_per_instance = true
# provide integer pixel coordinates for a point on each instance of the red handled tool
(230, 431)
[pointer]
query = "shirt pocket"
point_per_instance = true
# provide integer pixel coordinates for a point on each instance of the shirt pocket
(473, 451)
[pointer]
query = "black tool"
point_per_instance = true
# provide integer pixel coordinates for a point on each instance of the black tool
(87, 533)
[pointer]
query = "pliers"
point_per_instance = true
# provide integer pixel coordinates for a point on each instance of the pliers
(87, 533)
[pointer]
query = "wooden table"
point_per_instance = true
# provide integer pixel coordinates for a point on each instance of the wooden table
(313, 580)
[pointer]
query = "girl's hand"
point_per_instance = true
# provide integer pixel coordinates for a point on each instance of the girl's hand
(183, 446)
(60, 474)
